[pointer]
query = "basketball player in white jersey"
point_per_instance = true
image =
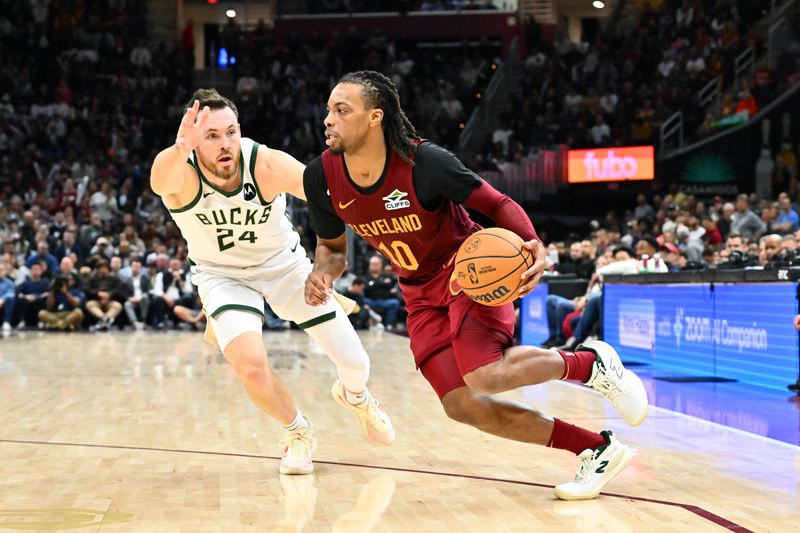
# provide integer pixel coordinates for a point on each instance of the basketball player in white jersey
(227, 194)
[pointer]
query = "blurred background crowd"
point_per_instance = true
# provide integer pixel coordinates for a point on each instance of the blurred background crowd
(87, 100)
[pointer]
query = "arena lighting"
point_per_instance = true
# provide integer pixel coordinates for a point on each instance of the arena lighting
(212, 1)
(598, 4)
(230, 13)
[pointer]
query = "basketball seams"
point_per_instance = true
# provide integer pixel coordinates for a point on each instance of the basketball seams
(513, 294)
(498, 280)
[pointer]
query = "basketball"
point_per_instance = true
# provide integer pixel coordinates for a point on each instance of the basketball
(489, 266)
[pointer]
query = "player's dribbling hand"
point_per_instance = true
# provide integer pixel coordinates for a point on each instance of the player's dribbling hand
(318, 288)
(534, 273)
(190, 132)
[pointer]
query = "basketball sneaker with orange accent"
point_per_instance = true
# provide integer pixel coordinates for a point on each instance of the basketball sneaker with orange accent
(597, 468)
(372, 418)
(622, 387)
(298, 446)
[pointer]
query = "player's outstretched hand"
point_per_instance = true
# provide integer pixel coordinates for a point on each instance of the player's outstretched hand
(319, 288)
(190, 132)
(532, 276)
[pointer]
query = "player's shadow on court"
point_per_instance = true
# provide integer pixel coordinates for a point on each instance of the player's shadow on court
(299, 499)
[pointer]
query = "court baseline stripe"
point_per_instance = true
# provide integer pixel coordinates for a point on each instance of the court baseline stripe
(699, 511)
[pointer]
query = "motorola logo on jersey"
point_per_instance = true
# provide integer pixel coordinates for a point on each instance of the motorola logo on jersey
(249, 191)
(396, 200)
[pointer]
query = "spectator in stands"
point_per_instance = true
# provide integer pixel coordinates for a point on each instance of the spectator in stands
(787, 220)
(66, 268)
(105, 293)
(712, 236)
(381, 292)
(576, 263)
(643, 210)
(137, 295)
(601, 133)
(623, 262)
(736, 242)
(43, 254)
(31, 296)
(788, 244)
(671, 256)
(170, 287)
(7, 297)
(744, 221)
(769, 246)
(62, 307)
(189, 313)
(91, 232)
(68, 246)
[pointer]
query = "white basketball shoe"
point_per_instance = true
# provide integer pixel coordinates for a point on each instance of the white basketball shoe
(622, 387)
(374, 422)
(298, 446)
(597, 468)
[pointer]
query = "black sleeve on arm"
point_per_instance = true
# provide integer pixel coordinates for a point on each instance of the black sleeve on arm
(439, 175)
(323, 218)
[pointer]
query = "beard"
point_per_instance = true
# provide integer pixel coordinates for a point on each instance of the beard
(339, 150)
(221, 173)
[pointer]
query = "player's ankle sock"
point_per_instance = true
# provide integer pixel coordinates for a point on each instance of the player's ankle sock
(573, 438)
(356, 399)
(299, 422)
(578, 365)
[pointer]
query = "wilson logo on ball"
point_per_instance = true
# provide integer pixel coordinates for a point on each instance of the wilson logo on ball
(498, 294)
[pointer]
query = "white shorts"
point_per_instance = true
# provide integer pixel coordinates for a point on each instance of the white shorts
(281, 281)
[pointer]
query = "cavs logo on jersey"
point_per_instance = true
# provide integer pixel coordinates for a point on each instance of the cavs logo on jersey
(396, 200)
(249, 191)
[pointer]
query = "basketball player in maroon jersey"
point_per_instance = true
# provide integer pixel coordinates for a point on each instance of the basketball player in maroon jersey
(403, 195)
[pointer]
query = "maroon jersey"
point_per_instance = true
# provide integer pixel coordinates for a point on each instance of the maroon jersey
(419, 243)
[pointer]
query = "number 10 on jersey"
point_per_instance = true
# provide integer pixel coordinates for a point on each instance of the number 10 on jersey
(402, 256)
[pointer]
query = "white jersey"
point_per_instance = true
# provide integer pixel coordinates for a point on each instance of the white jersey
(240, 228)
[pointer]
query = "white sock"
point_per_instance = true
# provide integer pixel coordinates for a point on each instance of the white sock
(299, 422)
(356, 399)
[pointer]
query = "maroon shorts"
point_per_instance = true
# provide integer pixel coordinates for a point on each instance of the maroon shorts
(451, 335)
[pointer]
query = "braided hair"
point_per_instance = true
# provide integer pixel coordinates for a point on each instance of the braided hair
(381, 93)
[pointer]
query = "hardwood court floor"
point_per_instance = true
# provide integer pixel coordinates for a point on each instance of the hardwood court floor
(153, 432)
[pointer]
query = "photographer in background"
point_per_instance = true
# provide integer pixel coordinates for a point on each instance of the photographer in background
(104, 292)
(62, 307)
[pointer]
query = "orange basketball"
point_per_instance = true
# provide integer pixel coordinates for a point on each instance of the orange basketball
(489, 266)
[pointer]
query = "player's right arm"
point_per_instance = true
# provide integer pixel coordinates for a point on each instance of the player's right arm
(331, 251)
(171, 178)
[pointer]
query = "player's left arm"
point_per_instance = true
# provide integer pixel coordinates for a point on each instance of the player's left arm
(451, 180)
(509, 214)
(278, 172)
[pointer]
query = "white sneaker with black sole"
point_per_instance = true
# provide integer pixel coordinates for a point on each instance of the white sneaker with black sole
(622, 387)
(597, 468)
